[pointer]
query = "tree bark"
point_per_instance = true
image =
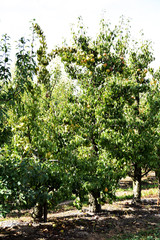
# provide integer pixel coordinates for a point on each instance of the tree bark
(94, 206)
(45, 212)
(38, 212)
(158, 177)
(137, 185)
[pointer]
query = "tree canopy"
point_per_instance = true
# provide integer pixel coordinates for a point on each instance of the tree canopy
(76, 134)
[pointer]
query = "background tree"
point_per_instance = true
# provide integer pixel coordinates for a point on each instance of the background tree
(6, 93)
(22, 82)
(141, 117)
(155, 101)
(32, 168)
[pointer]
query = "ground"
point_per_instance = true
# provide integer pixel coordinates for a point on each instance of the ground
(117, 219)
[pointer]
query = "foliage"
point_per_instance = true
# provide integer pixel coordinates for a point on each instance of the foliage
(33, 159)
(114, 115)
(5, 88)
(80, 134)
(141, 114)
(96, 112)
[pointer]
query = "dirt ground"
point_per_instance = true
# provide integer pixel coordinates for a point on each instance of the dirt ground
(116, 219)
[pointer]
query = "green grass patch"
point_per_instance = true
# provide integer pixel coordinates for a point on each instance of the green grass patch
(150, 192)
(124, 189)
(145, 193)
(149, 185)
(124, 197)
(150, 234)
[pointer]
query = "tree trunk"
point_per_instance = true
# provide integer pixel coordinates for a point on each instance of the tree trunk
(158, 177)
(137, 185)
(45, 212)
(38, 212)
(94, 206)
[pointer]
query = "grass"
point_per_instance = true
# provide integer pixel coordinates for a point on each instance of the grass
(128, 194)
(149, 188)
(150, 192)
(150, 234)
(145, 194)
(126, 197)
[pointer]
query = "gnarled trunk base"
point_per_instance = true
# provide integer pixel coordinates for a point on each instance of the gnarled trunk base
(94, 206)
(37, 212)
(40, 212)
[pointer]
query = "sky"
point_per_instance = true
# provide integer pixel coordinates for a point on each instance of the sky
(56, 17)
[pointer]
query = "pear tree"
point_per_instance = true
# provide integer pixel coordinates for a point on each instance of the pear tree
(113, 111)
(97, 110)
